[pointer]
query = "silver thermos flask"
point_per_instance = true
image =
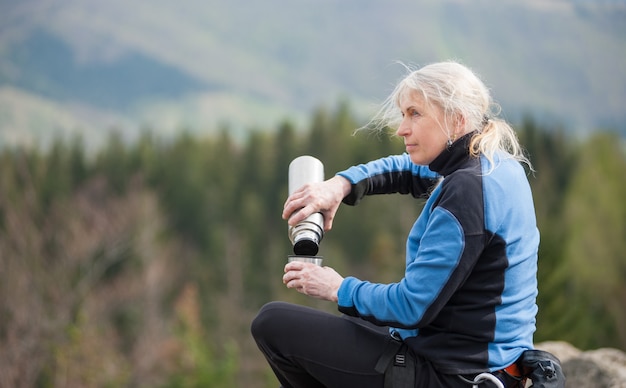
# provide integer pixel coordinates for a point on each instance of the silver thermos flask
(307, 234)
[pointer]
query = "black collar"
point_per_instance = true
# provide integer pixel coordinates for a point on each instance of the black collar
(451, 158)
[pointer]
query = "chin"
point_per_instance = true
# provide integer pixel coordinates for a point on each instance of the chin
(418, 160)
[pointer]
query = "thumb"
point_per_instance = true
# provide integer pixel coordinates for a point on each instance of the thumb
(328, 221)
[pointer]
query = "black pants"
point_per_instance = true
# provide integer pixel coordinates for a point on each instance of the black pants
(307, 348)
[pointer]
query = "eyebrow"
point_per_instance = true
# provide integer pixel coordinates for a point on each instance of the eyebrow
(410, 107)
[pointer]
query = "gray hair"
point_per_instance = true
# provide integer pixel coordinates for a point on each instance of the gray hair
(456, 90)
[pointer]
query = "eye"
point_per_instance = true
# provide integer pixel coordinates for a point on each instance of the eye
(411, 112)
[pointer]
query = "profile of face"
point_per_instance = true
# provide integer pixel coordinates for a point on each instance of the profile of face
(422, 128)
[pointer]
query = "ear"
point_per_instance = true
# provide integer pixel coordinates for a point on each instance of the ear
(459, 125)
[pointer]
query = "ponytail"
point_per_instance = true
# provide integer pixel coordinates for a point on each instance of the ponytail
(497, 135)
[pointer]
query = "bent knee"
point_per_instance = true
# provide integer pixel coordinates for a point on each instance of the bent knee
(269, 319)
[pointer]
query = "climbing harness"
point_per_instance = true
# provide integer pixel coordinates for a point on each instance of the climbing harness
(487, 377)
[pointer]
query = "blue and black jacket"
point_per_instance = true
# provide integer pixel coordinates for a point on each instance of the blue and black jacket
(467, 301)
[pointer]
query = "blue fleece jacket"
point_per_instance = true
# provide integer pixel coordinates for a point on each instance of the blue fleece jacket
(467, 301)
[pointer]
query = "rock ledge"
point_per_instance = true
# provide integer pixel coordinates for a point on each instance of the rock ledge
(600, 368)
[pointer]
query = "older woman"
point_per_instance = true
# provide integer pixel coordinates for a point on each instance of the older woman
(465, 310)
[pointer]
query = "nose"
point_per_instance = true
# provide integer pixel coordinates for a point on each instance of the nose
(403, 129)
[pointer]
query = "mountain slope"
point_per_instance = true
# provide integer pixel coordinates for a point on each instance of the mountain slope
(199, 63)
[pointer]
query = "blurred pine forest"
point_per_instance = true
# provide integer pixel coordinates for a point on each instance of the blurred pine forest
(143, 264)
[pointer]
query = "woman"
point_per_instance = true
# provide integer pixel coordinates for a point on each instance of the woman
(465, 310)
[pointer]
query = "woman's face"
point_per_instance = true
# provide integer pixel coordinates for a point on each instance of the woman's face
(422, 128)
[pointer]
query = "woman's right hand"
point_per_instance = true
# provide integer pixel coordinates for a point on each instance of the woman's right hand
(323, 197)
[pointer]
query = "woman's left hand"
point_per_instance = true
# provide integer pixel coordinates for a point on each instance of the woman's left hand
(312, 280)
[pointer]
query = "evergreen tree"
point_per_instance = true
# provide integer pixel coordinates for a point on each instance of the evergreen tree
(593, 261)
